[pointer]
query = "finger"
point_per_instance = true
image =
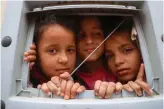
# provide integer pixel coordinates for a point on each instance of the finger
(141, 72)
(63, 86)
(135, 87)
(66, 76)
(33, 46)
(52, 87)
(68, 90)
(45, 89)
(30, 58)
(119, 87)
(127, 88)
(97, 86)
(110, 89)
(39, 86)
(102, 89)
(32, 52)
(31, 65)
(144, 86)
(56, 81)
(26, 54)
(81, 89)
(74, 89)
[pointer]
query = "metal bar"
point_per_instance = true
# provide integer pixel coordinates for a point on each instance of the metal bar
(25, 70)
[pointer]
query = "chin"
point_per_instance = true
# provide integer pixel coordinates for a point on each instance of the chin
(92, 59)
(126, 79)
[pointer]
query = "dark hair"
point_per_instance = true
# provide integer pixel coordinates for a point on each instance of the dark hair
(50, 19)
(126, 26)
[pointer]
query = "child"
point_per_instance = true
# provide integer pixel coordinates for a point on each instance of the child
(90, 36)
(56, 54)
(125, 61)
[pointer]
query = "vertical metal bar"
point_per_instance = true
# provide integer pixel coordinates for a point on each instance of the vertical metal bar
(25, 70)
(144, 51)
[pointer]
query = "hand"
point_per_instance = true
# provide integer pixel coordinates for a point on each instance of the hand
(69, 89)
(62, 86)
(30, 56)
(104, 89)
(139, 83)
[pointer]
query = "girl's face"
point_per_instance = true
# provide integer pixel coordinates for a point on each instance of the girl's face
(90, 36)
(56, 50)
(123, 57)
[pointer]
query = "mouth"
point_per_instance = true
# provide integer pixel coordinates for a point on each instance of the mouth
(62, 70)
(123, 71)
(89, 50)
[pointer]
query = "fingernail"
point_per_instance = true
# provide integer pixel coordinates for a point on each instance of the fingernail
(58, 93)
(140, 93)
(26, 53)
(66, 97)
(106, 97)
(150, 91)
(49, 93)
(79, 90)
(72, 97)
(39, 86)
(100, 97)
(130, 90)
(117, 93)
(62, 94)
(25, 59)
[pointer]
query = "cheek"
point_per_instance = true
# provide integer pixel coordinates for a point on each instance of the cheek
(111, 66)
(72, 61)
(98, 40)
(101, 49)
(47, 62)
(80, 45)
(135, 62)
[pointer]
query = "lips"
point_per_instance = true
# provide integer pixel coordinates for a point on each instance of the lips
(123, 71)
(62, 70)
(89, 49)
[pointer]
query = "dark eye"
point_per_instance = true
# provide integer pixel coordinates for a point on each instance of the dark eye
(96, 34)
(109, 56)
(81, 36)
(128, 50)
(52, 51)
(71, 50)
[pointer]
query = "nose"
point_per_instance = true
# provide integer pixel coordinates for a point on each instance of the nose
(89, 39)
(63, 59)
(119, 60)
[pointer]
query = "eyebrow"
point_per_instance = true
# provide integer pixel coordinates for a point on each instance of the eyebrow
(124, 45)
(107, 51)
(51, 45)
(72, 46)
(96, 27)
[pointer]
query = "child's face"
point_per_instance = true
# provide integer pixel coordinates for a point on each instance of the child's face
(90, 36)
(56, 51)
(123, 57)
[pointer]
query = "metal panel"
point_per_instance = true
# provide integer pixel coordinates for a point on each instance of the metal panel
(18, 29)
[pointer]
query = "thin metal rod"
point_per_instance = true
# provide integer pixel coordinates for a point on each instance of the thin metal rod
(97, 47)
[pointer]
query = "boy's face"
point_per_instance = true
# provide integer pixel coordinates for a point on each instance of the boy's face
(90, 36)
(123, 57)
(56, 51)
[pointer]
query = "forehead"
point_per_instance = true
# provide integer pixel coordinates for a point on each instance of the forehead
(118, 39)
(56, 32)
(90, 21)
